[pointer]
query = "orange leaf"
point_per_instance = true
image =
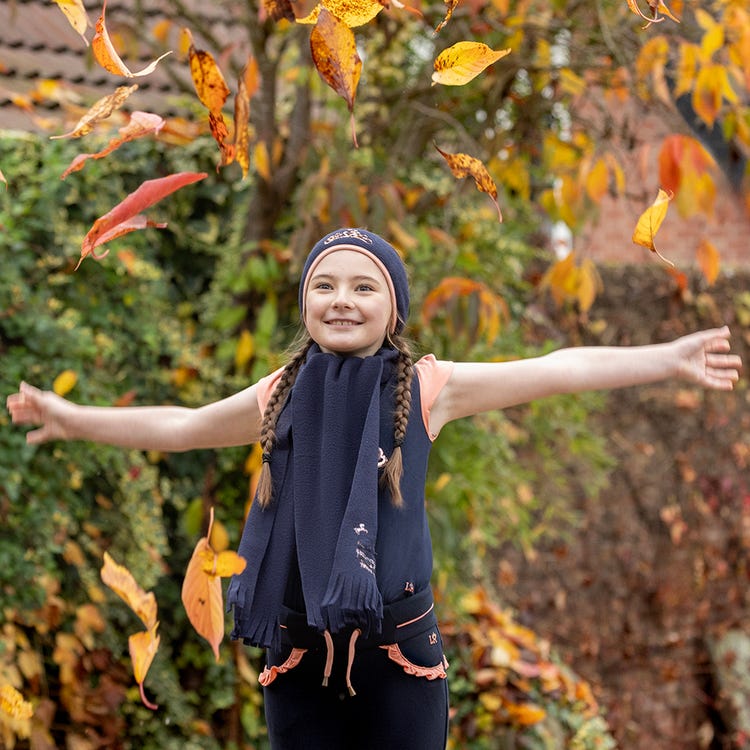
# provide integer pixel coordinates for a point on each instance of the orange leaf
(242, 119)
(201, 589)
(121, 581)
(708, 260)
(208, 80)
(140, 124)
(278, 9)
(463, 62)
(143, 647)
(106, 55)
(101, 110)
(147, 194)
(463, 165)
(334, 52)
(597, 181)
(75, 12)
(650, 221)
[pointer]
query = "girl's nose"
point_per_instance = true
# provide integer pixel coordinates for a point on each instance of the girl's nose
(342, 298)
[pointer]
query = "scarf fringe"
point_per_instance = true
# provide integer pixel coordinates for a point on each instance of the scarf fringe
(353, 602)
(256, 630)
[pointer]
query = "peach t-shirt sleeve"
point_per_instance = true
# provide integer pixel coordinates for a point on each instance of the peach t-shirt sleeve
(265, 388)
(433, 374)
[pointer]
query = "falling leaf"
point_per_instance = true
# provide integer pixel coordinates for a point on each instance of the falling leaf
(242, 115)
(201, 588)
(143, 647)
(463, 62)
(351, 13)
(650, 221)
(101, 110)
(75, 12)
(278, 9)
(106, 55)
(64, 382)
(213, 92)
(121, 581)
(463, 165)
(656, 7)
(147, 194)
(334, 52)
(245, 349)
(208, 80)
(708, 260)
(711, 87)
(451, 6)
(140, 124)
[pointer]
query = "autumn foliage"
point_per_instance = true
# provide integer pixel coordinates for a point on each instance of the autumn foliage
(392, 115)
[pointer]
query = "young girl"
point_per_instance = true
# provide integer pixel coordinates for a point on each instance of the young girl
(337, 583)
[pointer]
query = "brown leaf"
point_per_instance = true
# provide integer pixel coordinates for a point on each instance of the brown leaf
(106, 55)
(334, 53)
(101, 110)
(451, 6)
(278, 9)
(146, 195)
(140, 124)
(463, 165)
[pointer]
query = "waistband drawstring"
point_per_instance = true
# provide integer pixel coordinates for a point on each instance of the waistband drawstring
(329, 658)
(349, 662)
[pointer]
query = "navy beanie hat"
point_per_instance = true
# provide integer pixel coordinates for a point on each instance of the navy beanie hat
(381, 252)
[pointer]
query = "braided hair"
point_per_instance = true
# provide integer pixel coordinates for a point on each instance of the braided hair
(391, 476)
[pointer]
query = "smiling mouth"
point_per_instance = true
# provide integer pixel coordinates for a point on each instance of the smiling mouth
(342, 323)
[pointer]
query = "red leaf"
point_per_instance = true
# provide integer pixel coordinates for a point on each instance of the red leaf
(108, 227)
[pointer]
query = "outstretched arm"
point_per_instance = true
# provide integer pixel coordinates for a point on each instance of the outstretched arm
(232, 421)
(701, 358)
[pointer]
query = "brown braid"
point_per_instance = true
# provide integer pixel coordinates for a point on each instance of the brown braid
(394, 468)
(271, 416)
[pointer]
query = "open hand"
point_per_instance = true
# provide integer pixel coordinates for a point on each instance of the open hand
(703, 359)
(31, 406)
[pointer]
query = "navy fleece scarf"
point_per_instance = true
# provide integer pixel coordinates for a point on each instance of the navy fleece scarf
(325, 474)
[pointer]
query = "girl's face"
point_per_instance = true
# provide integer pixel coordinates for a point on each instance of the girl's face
(347, 304)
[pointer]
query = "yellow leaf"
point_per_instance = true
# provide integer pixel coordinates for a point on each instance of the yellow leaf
(121, 581)
(245, 349)
(571, 83)
(106, 55)
(229, 563)
(650, 221)
(261, 160)
(352, 13)
(219, 539)
(75, 12)
(712, 86)
(463, 62)
(254, 459)
(708, 260)
(64, 382)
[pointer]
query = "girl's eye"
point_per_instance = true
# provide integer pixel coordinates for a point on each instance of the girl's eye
(364, 288)
(323, 285)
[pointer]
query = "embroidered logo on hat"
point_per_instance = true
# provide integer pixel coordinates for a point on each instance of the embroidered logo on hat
(345, 234)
